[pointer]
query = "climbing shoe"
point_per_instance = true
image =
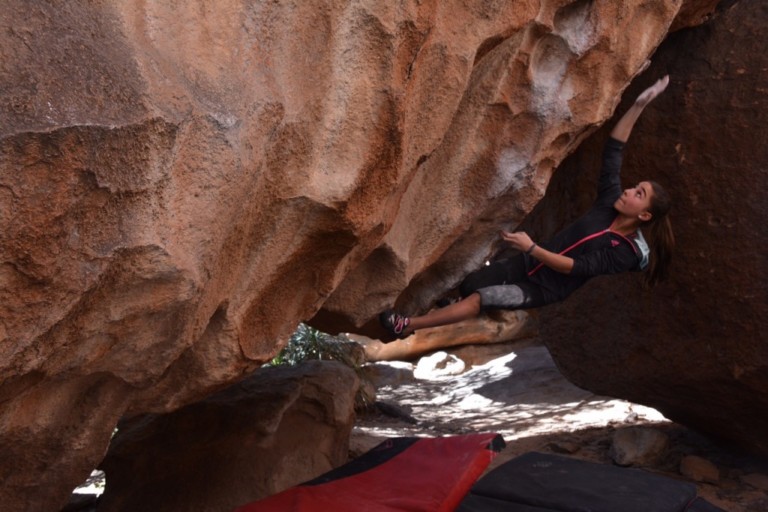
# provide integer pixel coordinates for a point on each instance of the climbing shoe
(394, 323)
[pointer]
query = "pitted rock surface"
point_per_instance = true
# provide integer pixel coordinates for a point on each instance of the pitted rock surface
(182, 184)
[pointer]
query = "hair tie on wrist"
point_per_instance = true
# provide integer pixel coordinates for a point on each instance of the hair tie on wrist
(529, 251)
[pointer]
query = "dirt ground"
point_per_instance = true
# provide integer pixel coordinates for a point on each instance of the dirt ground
(523, 397)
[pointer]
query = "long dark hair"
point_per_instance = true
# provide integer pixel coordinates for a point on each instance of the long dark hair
(661, 239)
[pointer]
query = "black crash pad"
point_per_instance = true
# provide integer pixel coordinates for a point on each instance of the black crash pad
(538, 482)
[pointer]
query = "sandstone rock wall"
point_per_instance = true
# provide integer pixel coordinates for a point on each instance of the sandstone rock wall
(182, 183)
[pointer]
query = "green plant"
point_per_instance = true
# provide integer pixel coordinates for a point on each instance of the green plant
(307, 343)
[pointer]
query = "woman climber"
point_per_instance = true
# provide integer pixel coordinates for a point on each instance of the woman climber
(606, 240)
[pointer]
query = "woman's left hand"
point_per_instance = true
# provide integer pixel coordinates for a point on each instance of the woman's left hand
(519, 240)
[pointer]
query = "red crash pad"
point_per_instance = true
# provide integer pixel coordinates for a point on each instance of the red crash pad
(414, 474)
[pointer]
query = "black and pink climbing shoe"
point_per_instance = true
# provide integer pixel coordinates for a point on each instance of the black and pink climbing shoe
(394, 323)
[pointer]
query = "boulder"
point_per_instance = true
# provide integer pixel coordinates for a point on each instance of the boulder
(181, 184)
(438, 365)
(756, 480)
(693, 348)
(389, 373)
(278, 428)
(638, 446)
(699, 469)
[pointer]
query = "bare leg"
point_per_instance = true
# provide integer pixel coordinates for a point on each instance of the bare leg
(463, 310)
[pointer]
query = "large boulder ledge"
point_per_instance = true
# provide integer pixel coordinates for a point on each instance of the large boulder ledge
(182, 184)
(278, 428)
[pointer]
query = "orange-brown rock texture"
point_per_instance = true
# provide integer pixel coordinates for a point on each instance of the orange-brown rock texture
(182, 183)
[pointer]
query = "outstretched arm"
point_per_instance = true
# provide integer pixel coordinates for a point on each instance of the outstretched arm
(624, 127)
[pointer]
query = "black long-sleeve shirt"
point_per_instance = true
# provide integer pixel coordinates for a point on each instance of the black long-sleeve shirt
(594, 248)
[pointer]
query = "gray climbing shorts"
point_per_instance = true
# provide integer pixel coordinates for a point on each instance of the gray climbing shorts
(503, 285)
(506, 296)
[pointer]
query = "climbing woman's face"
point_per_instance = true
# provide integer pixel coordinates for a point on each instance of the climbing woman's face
(636, 201)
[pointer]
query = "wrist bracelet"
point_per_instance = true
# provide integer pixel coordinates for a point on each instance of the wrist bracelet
(529, 251)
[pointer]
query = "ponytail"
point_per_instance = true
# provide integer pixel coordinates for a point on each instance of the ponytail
(660, 236)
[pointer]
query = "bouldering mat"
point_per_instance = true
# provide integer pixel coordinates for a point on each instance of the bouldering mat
(413, 474)
(538, 482)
